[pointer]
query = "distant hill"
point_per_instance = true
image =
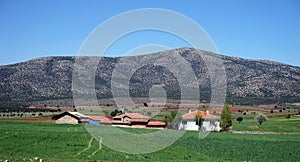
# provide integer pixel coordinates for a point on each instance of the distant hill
(248, 81)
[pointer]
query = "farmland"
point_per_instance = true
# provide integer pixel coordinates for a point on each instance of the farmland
(21, 141)
(274, 124)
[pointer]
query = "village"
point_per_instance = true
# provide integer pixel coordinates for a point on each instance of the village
(148, 116)
(68, 126)
(135, 120)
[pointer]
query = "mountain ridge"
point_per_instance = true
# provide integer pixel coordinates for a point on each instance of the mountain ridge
(247, 80)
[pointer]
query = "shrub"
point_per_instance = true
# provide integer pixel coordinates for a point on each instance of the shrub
(114, 113)
(239, 119)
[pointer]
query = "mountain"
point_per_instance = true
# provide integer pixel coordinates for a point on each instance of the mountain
(248, 81)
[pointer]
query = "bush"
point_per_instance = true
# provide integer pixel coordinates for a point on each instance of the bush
(239, 119)
(114, 113)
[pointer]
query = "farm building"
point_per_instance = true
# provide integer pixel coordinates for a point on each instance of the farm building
(210, 122)
(70, 118)
(124, 120)
(101, 119)
(136, 120)
(156, 124)
(130, 119)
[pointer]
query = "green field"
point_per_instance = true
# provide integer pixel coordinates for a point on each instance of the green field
(274, 124)
(21, 141)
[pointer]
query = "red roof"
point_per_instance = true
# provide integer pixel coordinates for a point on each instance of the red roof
(132, 116)
(156, 123)
(201, 113)
(100, 117)
(119, 122)
(145, 120)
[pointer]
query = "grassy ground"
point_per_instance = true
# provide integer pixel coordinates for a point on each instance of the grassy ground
(21, 141)
(274, 124)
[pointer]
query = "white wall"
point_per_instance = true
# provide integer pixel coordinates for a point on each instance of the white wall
(206, 125)
(190, 125)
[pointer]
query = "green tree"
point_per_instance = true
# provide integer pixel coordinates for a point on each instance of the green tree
(226, 120)
(239, 119)
(198, 120)
(113, 113)
(261, 118)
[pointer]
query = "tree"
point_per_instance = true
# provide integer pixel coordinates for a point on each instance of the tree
(198, 120)
(149, 113)
(114, 113)
(226, 120)
(173, 114)
(261, 118)
(288, 116)
(239, 119)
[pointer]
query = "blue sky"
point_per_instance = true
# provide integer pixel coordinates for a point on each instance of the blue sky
(254, 29)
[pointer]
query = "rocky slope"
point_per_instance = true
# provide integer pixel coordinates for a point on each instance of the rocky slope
(248, 81)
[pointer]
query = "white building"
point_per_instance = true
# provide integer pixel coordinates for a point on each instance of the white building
(209, 122)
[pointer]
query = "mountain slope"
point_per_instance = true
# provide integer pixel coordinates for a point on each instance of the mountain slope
(248, 81)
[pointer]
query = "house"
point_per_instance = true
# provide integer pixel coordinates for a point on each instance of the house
(130, 119)
(156, 124)
(124, 120)
(209, 122)
(70, 118)
(98, 119)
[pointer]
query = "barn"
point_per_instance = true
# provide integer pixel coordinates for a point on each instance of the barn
(70, 118)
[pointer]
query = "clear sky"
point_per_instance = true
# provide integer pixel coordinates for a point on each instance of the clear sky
(254, 29)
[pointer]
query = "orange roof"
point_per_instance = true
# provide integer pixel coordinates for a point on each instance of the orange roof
(132, 116)
(99, 117)
(145, 120)
(201, 113)
(156, 123)
(119, 122)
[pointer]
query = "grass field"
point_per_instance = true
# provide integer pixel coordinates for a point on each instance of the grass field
(274, 124)
(21, 141)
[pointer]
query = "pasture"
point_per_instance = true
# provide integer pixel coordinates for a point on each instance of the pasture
(274, 124)
(21, 141)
